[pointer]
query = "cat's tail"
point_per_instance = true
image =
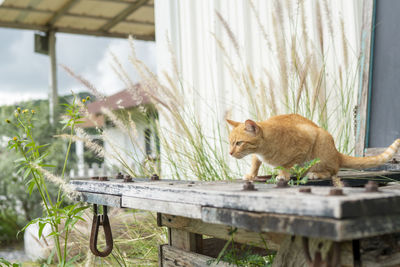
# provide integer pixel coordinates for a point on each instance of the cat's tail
(369, 162)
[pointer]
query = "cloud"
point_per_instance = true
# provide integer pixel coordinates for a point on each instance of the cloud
(21, 70)
(25, 74)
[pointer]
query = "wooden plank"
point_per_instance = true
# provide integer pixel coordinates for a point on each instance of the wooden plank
(354, 203)
(185, 240)
(362, 106)
(243, 236)
(330, 229)
(170, 207)
(172, 257)
(102, 199)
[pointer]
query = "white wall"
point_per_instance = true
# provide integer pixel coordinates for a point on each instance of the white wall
(192, 28)
(118, 144)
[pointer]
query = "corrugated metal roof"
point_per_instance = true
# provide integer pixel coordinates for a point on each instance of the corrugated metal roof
(112, 18)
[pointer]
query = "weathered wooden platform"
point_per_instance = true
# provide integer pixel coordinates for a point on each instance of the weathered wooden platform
(191, 209)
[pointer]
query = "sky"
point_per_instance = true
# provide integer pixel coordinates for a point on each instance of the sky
(24, 74)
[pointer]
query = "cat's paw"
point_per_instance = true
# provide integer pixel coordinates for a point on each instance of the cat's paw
(282, 177)
(318, 175)
(249, 177)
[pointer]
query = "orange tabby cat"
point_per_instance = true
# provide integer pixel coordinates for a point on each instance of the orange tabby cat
(286, 140)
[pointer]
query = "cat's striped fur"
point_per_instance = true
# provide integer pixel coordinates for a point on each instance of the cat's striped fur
(290, 139)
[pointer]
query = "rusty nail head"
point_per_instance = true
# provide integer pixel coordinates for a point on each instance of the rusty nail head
(336, 192)
(282, 183)
(127, 179)
(371, 186)
(189, 185)
(95, 178)
(155, 177)
(249, 186)
(305, 190)
(103, 178)
(119, 176)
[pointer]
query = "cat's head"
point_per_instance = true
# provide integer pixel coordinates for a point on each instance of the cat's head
(244, 138)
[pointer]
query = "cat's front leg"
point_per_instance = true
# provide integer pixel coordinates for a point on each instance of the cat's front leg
(255, 166)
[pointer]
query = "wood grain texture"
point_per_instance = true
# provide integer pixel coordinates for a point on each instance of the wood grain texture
(380, 251)
(173, 257)
(102, 199)
(272, 240)
(330, 229)
(185, 240)
(354, 203)
(292, 254)
(362, 116)
(170, 207)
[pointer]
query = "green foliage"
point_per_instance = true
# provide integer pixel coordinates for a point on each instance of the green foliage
(6, 263)
(32, 167)
(12, 185)
(241, 256)
(299, 171)
(9, 225)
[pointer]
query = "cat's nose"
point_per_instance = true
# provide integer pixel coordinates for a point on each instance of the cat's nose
(231, 152)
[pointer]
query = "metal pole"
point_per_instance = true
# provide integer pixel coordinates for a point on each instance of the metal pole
(53, 95)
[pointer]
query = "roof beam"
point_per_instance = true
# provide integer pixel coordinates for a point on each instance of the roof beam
(61, 11)
(29, 9)
(16, 25)
(47, 12)
(23, 14)
(123, 15)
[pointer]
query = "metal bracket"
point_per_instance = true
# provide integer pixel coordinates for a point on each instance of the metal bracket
(332, 259)
(101, 219)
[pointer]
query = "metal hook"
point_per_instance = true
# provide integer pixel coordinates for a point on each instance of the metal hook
(97, 221)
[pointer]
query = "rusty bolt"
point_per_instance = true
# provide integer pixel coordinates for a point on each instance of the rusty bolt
(371, 186)
(305, 190)
(119, 176)
(95, 178)
(249, 186)
(154, 177)
(103, 178)
(127, 179)
(282, 183)
(336, 192)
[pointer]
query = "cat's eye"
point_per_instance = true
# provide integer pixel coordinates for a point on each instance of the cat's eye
(238, 143)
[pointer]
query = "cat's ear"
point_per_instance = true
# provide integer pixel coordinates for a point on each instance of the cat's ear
(233, 123)
(251, 127)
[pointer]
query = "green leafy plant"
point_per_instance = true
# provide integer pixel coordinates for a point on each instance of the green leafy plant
(6, 263)
(299, 171)
(32, 166)
(241, 256)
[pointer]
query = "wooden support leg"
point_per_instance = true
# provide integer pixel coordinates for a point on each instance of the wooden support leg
(293, 253)
(185, 240)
